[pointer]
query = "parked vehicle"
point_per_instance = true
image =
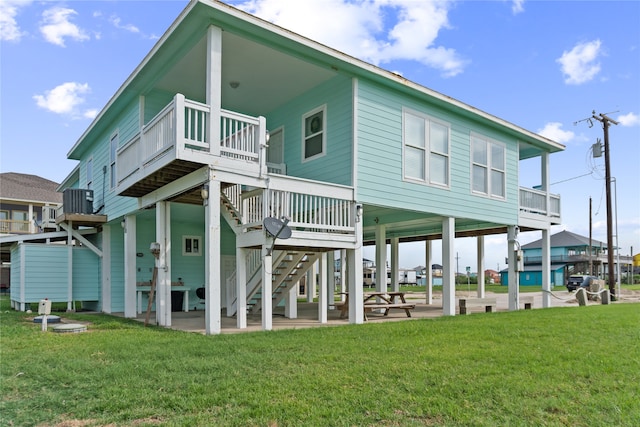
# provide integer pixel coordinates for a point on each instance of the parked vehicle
(579, 281)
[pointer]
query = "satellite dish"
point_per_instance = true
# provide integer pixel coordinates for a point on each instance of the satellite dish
(277, 228)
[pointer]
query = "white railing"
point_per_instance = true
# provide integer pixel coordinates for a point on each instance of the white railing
(535, 201)
(11, 226)
(308, 205)
(253, 264)
(184, 125)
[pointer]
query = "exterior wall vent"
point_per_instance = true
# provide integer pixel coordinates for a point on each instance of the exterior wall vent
(77, 201)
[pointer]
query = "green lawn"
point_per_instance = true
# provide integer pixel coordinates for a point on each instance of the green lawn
(576, 366)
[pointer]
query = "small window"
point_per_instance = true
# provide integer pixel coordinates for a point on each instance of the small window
(191, 245)
(426, 149)
(112, 160)
(314, 129)
(488, 167)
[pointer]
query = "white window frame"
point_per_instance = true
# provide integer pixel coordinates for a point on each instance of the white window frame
(113, 149)
(191, 242)
(489, 167)
(427, 149)
(322, 132)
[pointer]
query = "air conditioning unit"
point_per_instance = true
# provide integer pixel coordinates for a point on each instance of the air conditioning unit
(77, 201)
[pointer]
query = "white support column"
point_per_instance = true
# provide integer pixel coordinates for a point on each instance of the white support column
(343, 273)
(322, 291)
(105, 274)
(70, 267)
(311, 282)
(395, 267)
(130, 227)
(241, 288)
(381, 258)
(32, 219)
(214, 86)
(354, 271)
(267, 308)
(448, 267)
(212, 285)
(291, 303)
(163, 264)
(546, 269)
(428, 272)
(513, 275)
(331, 278)
(480, 263)
(545, 179)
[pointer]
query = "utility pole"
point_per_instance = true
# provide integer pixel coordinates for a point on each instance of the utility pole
(602, 118)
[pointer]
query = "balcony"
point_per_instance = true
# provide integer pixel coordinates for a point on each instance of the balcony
(176, 142)
(538, 208)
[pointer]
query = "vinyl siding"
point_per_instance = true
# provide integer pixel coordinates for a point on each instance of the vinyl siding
(335, 165)
(380, 177)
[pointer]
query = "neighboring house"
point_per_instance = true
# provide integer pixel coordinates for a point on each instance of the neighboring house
(492, 276)
(571, 253)
(230, 120)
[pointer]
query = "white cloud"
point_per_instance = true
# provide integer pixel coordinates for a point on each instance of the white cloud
(553, 132)
(64, 99)
(117, 22)
(629, 120)
(56, 26)
(377, 31)
(9, 28)
(579, 65)
(517, 6)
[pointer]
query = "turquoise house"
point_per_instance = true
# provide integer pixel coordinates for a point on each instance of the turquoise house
(231, 123)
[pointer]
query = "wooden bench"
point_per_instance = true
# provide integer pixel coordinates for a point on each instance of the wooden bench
(400, 305)
(489, 304)
(527, 301)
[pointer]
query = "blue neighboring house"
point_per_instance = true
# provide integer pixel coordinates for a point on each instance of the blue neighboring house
(230, 121)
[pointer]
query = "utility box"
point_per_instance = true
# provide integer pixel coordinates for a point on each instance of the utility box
(44, 307)
(77, 201)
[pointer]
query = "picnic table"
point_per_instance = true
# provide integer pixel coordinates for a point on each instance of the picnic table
(378, 300)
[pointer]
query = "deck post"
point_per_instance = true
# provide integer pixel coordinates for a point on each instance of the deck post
(395, 268)
(354, 271)
(480, 263)
(212, 259)
(381, 258)
(163, 279)
(241, 288)
(448, 263)
(214, 86)
(428, 272)
(267, 292)
(546, 269)
(291, 303)
(322, 291)
(513, 271)
(129, 266)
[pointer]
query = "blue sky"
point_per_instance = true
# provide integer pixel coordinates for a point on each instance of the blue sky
(542, 65)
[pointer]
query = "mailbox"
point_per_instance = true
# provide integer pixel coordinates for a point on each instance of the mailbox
(44, 307)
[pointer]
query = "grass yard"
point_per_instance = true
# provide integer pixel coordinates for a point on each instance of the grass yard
(576, 366)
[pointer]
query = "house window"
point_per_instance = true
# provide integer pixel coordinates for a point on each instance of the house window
(112, 160)
(488, 167)
(191, 245)
(89, 173)
(426, 149)
(314, 130)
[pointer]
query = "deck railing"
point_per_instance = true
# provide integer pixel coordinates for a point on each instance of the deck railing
(184, 125)
(306, 204)
(535, 201)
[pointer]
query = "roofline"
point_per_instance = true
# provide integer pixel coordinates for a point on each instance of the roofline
(343, 57)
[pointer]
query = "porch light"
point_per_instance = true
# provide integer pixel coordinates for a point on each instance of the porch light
(234, 84)
(204, 192)
(358, 212)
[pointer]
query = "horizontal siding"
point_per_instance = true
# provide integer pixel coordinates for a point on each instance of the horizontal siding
(335, 165)
(16, 266)
(86, 275)
(116, 266)
(380, 182)
(45, 272)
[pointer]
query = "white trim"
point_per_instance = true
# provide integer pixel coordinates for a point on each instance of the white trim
(488, 166)
(428, 151)
(113, 165)
(322, 133)
(193, 239)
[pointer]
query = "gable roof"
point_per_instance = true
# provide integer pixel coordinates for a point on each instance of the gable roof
(566, 239)
(252, 37)
(20, 186)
